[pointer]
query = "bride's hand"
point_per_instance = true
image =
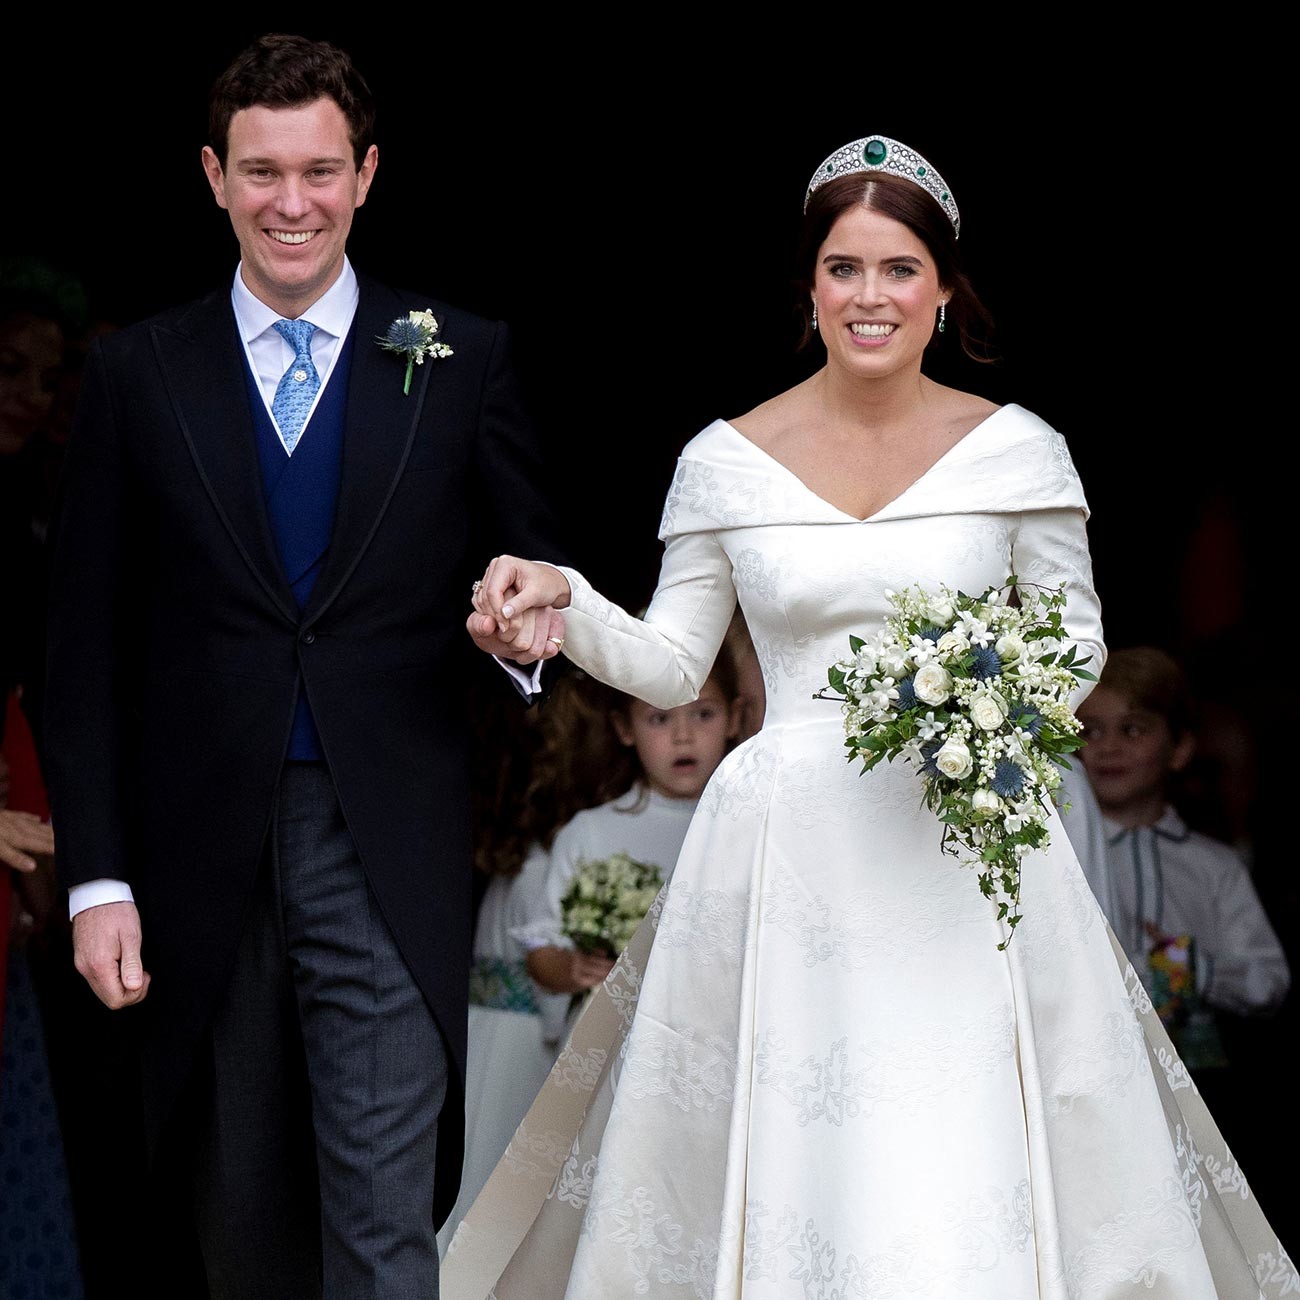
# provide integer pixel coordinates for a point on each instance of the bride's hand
(539, 637)
(512, 588)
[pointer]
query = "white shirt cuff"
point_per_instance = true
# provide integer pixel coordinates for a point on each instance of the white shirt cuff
(527, 685)
(96, 892)
(532, 937)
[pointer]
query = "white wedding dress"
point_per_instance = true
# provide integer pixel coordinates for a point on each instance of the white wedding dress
(812, 1075)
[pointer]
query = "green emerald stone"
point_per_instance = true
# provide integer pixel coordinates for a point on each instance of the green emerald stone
(920, 171)
(875, 153)
(830, 169)
(944, 197)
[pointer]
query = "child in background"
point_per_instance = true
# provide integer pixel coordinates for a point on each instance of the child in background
(1185, 909)
(589, 745)
(663, 759)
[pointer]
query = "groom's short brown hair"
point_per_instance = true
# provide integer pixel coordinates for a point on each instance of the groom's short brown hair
(281, 71)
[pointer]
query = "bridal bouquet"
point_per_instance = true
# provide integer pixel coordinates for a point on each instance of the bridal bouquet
(975, 692)
(606, 902)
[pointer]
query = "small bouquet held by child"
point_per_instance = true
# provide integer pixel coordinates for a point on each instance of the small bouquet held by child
(975, 692)
(606, 902)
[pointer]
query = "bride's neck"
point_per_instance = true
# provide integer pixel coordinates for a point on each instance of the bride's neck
(874, 404)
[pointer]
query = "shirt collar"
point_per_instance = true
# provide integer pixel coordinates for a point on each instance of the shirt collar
(332, 312)
(1169, 825)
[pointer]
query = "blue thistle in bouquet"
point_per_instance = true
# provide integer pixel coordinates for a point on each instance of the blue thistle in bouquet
(975, 692)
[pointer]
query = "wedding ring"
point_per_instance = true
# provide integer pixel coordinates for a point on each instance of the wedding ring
(556, 641)
(478, 582)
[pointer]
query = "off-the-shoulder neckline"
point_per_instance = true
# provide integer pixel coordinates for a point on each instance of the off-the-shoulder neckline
(930, 469)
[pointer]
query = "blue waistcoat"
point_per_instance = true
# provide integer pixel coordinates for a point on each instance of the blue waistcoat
(302, 494)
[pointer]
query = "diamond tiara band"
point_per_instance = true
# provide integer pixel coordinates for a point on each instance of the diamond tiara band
(878, 153)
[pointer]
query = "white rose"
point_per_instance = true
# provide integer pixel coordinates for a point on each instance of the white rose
(1010, 647)
(952, 643)
(940, 610)
(988, 711)
(954, 760)
(985, 801)
(933, 684)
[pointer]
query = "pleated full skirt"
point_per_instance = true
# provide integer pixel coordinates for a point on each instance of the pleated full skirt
(813, 1075)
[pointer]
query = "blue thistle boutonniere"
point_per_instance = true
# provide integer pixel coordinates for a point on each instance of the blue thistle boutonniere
(414, 336)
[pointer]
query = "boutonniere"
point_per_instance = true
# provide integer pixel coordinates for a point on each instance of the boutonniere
(414, 336)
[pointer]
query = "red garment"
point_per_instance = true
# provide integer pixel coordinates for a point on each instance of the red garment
(26, 794)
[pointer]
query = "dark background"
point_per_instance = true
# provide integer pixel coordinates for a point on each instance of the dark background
(628, 200)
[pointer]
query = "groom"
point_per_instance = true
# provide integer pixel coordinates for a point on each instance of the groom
(256, 728)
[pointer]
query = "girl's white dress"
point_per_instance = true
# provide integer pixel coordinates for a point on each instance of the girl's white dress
(647, 826)
(812, 1075)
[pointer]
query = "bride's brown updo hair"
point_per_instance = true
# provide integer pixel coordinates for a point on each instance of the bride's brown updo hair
(913, 207)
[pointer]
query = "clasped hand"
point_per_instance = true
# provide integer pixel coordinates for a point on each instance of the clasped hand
(517, 610)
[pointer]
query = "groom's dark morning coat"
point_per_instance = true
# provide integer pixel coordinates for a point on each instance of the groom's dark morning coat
(176, 648)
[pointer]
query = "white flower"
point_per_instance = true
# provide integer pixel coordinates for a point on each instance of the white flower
(880, 698)
(975, 628)
(1010, 647)
(952, 644)
(940, 609)
(927, 727)
(988, 710)
(865, 661)
(985, 801)
(954, 760)
(921, 651)
(425, 318)
(933, 684)
(894, 664)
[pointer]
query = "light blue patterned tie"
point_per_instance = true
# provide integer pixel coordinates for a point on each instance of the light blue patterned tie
(300, 383)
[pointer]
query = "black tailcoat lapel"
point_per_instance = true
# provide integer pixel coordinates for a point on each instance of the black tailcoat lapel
(201, 358)
(379, 428)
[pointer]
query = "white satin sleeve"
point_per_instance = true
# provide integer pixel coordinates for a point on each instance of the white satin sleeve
(1051, 547)
(665, 657)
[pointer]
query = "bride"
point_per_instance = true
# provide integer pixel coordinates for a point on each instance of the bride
(813, 1073)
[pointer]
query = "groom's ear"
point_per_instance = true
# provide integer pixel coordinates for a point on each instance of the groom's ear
(365, 174)
(216, 175)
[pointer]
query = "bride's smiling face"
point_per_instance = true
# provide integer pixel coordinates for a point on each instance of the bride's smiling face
(877, 292)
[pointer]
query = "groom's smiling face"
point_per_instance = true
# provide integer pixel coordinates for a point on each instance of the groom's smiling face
(291, 186)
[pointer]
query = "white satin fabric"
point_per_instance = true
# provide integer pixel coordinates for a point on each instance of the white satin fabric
(812, 1075)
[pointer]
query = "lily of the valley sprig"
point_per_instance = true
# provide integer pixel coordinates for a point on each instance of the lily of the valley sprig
(414, 336)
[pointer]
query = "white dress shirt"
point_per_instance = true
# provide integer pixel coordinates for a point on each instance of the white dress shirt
(269, 353)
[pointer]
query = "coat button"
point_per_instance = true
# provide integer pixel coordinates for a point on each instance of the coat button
(308, 638)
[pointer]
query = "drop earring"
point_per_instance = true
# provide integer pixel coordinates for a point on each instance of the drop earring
(814, 317)
(943, 311)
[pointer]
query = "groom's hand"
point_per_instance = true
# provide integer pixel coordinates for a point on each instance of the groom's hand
(106, 945)
(538, 639)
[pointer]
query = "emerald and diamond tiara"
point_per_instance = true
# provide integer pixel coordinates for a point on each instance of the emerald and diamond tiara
(878, 153)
